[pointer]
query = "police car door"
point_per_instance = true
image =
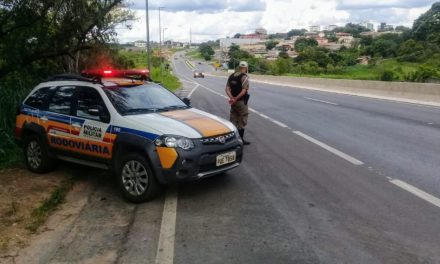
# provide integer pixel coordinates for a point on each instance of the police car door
(89, 124)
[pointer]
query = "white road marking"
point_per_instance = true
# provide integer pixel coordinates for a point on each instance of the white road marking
(263, 116)
(330, 149)
(278, 123)
(321, 101)
(193, 90)
(165, 245)
(417, 192)
(254, 111)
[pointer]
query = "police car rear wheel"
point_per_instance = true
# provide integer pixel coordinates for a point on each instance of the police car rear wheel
(36, 155)
(136, 179)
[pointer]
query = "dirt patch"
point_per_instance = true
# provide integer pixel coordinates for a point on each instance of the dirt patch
(21, 191)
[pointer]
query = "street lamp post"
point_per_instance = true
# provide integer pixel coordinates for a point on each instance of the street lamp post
(148, 38)
(160, 32)
(163, 35)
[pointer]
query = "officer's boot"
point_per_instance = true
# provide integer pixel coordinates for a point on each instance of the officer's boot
(241, 133)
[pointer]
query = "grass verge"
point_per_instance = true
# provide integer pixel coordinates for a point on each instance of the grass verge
(195, 54)
(42, 212)
(166, 78)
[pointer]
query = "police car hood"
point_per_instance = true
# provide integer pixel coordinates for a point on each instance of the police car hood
(191, 123)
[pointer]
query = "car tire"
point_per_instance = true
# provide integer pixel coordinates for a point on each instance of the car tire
(36, 155)
(136, 179)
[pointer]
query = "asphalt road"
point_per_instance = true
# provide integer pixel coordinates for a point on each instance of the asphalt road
(328, 181)
(327, 209)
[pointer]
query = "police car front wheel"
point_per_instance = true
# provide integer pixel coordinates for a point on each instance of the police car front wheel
(136, 179)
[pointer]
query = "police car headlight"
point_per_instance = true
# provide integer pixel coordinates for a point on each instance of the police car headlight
(174, 142)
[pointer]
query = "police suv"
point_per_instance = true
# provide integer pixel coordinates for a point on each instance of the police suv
(141, 131)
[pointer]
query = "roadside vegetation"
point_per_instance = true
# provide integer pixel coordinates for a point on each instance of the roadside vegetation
(42, 38)
(194, 54)
(161, 69)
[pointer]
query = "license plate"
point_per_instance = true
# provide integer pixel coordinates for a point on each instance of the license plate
(226, 158)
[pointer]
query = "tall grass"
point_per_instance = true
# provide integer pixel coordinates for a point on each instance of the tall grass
(13, 89)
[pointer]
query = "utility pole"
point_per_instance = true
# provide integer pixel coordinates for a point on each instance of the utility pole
(148, 38)
(190, 37)
(163, 35)
(160, 33)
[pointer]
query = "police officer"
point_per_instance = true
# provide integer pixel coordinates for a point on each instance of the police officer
(237, 90)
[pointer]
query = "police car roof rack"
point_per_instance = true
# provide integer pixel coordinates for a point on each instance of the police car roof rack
(74, 77)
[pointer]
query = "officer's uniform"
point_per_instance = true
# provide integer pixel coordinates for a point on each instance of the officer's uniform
(239, 111)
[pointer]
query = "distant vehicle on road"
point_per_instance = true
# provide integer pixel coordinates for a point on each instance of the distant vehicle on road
(142, 132)
(198, 74)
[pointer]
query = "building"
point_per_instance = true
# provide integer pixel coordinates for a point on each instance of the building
(330, 27)
(321, 41)
(346, 40)
(262, 32)
(140, 44)
(250, 36)
(367, 25)
(374, 34)
(389, 28)
(314, 28)
(333, 46)
(385, 27)
(226, 43)
(257, 49)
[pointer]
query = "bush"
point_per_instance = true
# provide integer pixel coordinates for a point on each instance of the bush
(387, 75)
(420, 75)
(13, 89)
(310, 67)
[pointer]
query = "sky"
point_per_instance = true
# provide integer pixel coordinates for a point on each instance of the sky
(210, 19)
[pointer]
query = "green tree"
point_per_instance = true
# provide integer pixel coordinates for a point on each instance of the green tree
(283, 54)
(317, 55)
(353, 29)
(427, 26)
(32, 31)
(206, 50)
(296, 32)
(270, 44)
(302, 43)
(236, 55)
(409, 47)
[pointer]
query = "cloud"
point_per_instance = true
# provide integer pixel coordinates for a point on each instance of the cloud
(201, 6)
(374, 4)
(216, 19)
(246, 5)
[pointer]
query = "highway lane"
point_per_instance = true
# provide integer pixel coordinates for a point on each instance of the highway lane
(292, 201)
(397, 140)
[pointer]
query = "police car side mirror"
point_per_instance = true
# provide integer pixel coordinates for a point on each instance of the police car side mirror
(187, 101)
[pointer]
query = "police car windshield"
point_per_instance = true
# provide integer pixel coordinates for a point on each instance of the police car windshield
(147, 98)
